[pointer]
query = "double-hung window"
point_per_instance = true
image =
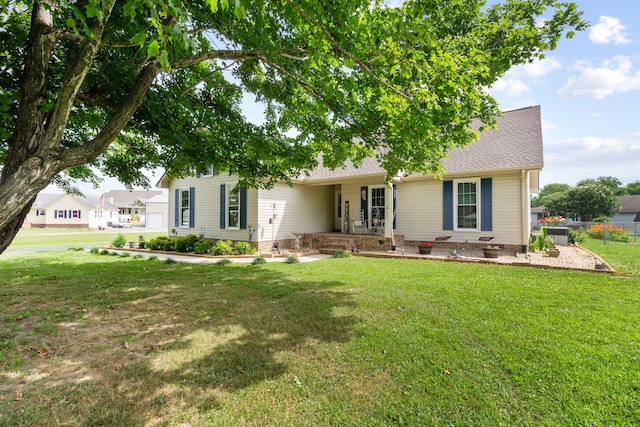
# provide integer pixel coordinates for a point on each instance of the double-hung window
(467, 204)
(184, 207)
(233, 207)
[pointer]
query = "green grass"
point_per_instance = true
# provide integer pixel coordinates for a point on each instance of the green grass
(59, 238)
(624, 257)
(94, 340)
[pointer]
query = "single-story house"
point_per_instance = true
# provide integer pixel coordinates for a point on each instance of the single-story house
(484, 195)
(629, 209)
(132, 207)
(69, 211)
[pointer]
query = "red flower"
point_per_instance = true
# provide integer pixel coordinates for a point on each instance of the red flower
(425, 244)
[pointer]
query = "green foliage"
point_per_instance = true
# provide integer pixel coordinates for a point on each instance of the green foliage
(341, 254)
(142, 244)
(104, 252)
(609, 182)
(160, 243)
(576, 236)
(242, 248)
(222, 247)
(351, 77)
(541, 242)
(633, 188)
(202, 246)
(119, 241)
(602, 219)
(138, 256)
(152, 258)
(185, 243)
(291, 259)
(259, 261)
(586, 202)
(548, 190)
(95, 250)
(224, 261)
(125, 255)
(170, 261)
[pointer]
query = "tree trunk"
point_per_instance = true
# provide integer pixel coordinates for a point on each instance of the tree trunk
(9, 231)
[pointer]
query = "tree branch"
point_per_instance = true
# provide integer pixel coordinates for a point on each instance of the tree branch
(349, 55)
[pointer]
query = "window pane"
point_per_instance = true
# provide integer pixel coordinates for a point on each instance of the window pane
(184, 207)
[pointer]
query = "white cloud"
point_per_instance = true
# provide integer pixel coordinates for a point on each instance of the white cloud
(516, 81)
(608, 30)
(612, 76)
(546, 125)
(511, 87)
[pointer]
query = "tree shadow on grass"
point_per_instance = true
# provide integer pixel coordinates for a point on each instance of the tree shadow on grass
(173, 338)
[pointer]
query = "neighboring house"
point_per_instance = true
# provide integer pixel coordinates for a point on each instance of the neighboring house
(485, 193)
(537, 213)
(157, 211)
(132, 206)
(629, 209)
(68, 210)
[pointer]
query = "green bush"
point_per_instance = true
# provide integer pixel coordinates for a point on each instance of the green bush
(224, 261)
(119, 241)
(138, 256)
(259, 261)
(222, 247)
(142, 244)
(104, 252)
(242, 248)
(185, 243)
(160, 243)
(291, 259)
(202, 246)
(152, 258)
(95, 250)
(575, 236)
(125, 255)
(341, 254)
(170, 261)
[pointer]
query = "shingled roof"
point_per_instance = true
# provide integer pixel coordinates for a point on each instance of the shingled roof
(516, 143)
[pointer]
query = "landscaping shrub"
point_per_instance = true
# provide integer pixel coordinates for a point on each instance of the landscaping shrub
(615, 234)
(170, 261)
(202, 246)
(104, 252)
(575, 236)
(95, 250)
(242, 248)
(185, 243)
(152, 258)
(292, 259)
(160, 243)
(125, 255)
(119, 241)
(224, 261)
(259, 261)
(341, 254)
(222, 247)
(138, 256)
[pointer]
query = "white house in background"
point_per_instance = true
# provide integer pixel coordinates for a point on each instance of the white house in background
(68, 211)
(484, 194)
(157, 211)
(132, 206)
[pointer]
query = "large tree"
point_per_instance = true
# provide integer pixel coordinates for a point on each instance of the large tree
(586, 201)
(120, 86)
(549, 190)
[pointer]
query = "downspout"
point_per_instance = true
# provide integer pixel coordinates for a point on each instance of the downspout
(525, 184)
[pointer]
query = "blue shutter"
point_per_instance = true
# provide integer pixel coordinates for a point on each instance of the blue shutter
(223, 202)
(55, 213)
(486, 209)
(177, 208)
(192, 207)
(37, 212)
(364, 202)
(65, 213)
(243, 207)
(79, 214)
(447, 205)
(395, 193)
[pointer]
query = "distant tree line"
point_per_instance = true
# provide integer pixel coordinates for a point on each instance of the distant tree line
(589, 199)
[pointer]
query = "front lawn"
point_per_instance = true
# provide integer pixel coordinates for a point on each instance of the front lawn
(42, 238)
(107, 340)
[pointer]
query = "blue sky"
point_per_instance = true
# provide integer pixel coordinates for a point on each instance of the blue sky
(589, 93)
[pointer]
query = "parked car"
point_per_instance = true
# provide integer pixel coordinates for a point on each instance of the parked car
(121, 224)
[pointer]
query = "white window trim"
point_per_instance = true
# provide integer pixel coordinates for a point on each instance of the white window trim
(475, 180)
(209, 171)
(370, 202)
(230, 187)
(180, 190)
